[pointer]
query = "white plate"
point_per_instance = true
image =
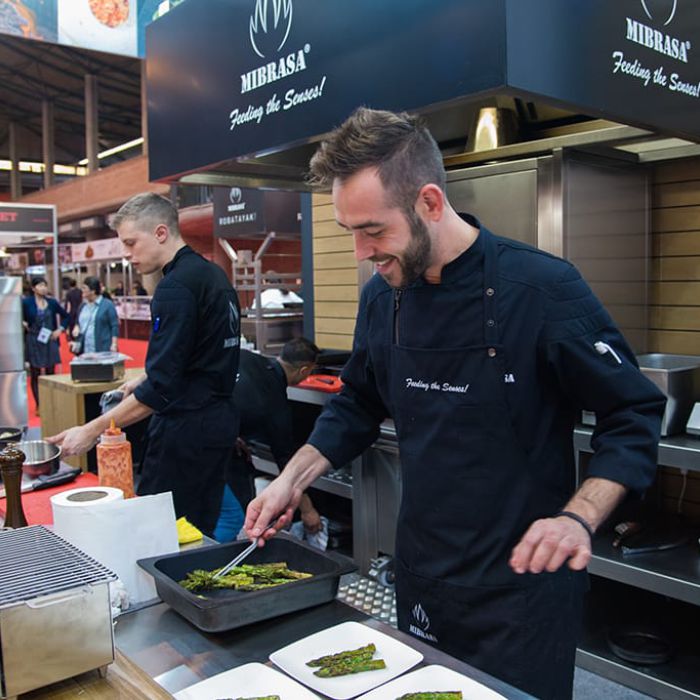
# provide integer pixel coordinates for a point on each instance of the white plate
(433, 678)
(246, 681)
(349, 635)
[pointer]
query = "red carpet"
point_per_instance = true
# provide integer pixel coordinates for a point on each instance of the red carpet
(136, 349)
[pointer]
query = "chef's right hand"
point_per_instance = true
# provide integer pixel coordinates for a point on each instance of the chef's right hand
(271, 510)
(128, 387)
(74, 441)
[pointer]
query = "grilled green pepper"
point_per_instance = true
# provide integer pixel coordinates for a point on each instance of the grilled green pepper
(366, 651)
(444, 695)
(246, 577)
(352, 665)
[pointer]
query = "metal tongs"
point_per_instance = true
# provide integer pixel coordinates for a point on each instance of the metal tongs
(240, 557)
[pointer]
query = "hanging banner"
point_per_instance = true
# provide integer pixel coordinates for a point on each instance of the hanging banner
(25, 219)
(275, 74)
(102, 249)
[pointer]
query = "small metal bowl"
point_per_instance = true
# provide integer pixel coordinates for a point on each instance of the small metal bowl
(40, 457)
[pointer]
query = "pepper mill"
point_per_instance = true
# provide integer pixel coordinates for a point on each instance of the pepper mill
(11, 461)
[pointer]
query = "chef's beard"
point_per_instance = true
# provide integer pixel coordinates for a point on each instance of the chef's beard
(415, 259)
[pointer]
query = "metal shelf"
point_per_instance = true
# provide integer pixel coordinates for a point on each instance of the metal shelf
(679, 451)
(336, 481)
(675, 679)
(674, 573)
(642, 678)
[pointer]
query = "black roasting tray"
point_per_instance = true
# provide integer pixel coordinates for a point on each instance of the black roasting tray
(222, 610)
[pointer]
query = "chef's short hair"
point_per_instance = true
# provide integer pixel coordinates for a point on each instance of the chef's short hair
(299, 351)
(399, 145)
(150, 209)
(37, 281)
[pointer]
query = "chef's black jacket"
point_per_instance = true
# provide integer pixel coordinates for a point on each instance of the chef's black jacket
(484, 374)
(191, 368)
(261, 399)
(548, 321)
(265, 416)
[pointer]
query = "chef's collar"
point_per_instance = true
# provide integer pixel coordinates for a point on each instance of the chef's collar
(279, 371)
(455, 270)
(180, 253)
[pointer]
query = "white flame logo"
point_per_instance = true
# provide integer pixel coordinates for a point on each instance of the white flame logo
(671, 16)
(281, 12)
(421, 617)
(235, 195)
(232, 317)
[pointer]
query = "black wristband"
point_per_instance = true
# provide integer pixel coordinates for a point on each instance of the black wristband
(580, 520)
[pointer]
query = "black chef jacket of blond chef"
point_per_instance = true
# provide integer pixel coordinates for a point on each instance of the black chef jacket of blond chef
(191, 369)
(265, 415)
(483, 375)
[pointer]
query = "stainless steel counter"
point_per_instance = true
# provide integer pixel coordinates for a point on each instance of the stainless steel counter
(176, 654)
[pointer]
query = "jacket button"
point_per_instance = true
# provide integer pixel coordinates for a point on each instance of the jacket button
(491, 323)
(492, 352)
(490, 292)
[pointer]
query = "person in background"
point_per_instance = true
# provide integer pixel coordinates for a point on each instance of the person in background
(265, 415)
(118, 290)
(39, 312)
(138, 290)
(98, 324)
(483, 351)
(74, 298)
(191, 367)
(277, 297)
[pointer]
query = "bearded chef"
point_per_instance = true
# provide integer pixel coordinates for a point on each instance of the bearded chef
(483, 350)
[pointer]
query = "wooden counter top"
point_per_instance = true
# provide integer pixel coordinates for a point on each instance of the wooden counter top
(124, 680)
(63, 404)
(63, 382)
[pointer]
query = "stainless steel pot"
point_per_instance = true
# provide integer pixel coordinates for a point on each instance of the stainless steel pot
(41, 457)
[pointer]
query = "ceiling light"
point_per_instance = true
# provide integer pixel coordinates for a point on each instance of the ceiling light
(117, 149)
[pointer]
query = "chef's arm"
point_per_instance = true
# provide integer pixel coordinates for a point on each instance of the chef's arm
(82, 438)
(128, 387)
(275, 506)
(549, 542)
(595, 500)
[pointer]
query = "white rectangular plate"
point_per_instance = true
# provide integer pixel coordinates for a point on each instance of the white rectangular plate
(435, 679)
(349, 635)
(246, 681)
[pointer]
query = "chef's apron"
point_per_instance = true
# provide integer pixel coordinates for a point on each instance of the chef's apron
(467, 500)
(188, 452)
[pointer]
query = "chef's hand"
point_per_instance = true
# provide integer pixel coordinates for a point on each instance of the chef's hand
(309, 516)
(75, 441)
(548, 543)
(271, 510)
(128, 387)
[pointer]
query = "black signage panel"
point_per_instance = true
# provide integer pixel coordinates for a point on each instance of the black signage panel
(245, 77)
(20, 220)
(238, 212)
(634, 61)
(241, 212)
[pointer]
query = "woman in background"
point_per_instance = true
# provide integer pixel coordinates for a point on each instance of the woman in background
(98, 324)
(39, 313)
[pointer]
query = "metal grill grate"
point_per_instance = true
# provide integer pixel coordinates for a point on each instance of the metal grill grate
(35, 562)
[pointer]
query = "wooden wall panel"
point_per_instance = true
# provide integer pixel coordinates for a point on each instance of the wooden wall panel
(674, 313)
(336, 290)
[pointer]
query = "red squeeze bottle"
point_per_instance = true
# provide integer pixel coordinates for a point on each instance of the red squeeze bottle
(114, 465)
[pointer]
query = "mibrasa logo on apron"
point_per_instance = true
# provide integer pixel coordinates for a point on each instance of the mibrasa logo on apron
(233, 341)
(420, 623)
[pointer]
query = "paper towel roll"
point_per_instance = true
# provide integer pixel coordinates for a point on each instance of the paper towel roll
(117, 532)
(88, 496)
